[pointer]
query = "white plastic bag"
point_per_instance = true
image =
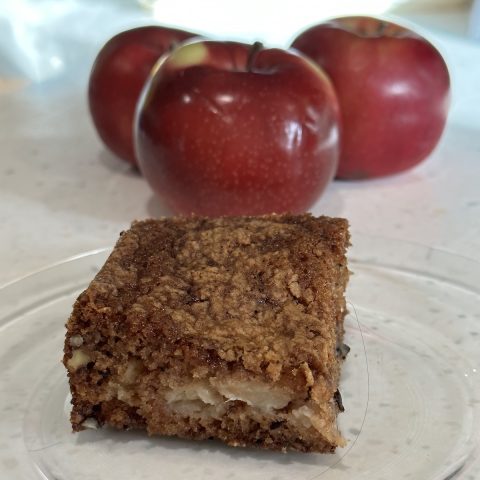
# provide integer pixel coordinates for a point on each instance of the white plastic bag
(40, 39)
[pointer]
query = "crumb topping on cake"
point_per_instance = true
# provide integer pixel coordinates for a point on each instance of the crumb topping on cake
(252, 291)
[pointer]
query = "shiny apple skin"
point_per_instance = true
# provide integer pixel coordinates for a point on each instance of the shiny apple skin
(221, 138)
(117, 78)
(393, 87)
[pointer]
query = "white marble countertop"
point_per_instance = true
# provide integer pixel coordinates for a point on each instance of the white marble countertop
(62, 193)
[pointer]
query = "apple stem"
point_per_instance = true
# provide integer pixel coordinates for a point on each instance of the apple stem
(382, 26)
(256, 47)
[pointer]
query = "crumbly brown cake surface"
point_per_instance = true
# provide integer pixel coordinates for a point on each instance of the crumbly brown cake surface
(222, 328)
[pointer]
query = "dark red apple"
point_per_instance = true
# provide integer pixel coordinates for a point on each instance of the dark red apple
(117, 78)
(393, 87)
(226, 128)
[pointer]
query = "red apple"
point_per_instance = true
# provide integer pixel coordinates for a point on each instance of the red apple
(117, 78)
(393, 87)
(226, 128)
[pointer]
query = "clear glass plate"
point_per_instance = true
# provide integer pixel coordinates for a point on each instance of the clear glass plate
(410, 383)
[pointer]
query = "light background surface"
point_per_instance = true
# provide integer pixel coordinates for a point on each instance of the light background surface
(62, 193)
